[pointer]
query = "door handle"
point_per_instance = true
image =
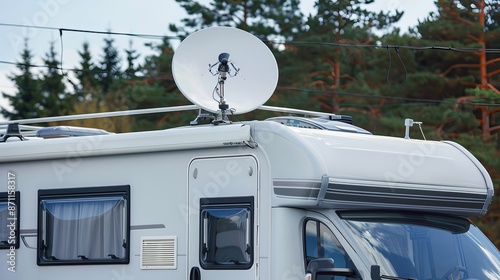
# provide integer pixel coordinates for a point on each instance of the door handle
(195, 273)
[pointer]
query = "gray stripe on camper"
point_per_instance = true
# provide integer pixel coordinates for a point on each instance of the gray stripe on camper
(152, 226)
(398, 196)
(296, 192)
(136, 227)
(297, 189)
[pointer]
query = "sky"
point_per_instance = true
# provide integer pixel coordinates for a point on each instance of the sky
(127, 16)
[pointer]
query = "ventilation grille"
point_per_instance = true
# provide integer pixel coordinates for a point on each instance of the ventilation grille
(159, 252)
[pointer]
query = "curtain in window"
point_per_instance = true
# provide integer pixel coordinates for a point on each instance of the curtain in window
(77, 229)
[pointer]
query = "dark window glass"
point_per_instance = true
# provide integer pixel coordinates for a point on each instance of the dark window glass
(424, 246)
(320, 242)
(226, 235)
(9, 220)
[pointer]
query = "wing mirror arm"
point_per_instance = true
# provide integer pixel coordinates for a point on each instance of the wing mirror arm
(325, 267)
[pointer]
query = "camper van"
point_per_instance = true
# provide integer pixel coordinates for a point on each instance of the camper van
(304, 195)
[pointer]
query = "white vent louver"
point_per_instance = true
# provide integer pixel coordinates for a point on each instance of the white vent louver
(159, 252)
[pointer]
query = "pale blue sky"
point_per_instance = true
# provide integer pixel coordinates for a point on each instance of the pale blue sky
(145, 17)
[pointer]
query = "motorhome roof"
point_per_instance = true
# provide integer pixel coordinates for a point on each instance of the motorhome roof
(126, 143)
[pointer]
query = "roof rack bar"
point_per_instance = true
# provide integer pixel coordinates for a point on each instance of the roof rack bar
(22, 127)
(104, 115)
(299, 111)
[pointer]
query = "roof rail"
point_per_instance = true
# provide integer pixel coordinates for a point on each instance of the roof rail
(103, 115)
(330, 116)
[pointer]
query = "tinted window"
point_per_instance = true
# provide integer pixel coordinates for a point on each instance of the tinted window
(9, 219)
(320, 242)
(226, 234)
(424, 246)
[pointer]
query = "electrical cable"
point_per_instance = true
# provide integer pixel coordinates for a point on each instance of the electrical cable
(396, 48)
(149, 36)
(154, 36)
(61, 62)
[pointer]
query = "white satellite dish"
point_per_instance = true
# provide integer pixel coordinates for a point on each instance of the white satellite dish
(225, 64)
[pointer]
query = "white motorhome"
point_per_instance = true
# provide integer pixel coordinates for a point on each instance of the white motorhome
(284, 198)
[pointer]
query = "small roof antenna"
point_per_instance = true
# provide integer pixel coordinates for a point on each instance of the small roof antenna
(408, 124)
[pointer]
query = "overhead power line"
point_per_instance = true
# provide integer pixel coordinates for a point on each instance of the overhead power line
(97, 71)
(156, 36)
(23, 64)
(381, 46)
(60, 29)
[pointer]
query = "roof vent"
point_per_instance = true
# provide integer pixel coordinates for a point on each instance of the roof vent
(323, 123)
(68, 131)
(159, 252)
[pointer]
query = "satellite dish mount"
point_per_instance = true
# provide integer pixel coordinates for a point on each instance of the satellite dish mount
(222, 72)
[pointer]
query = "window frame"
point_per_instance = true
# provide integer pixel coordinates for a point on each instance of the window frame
(7, 197)
(82, 193)
(320, 249)
(229, 203)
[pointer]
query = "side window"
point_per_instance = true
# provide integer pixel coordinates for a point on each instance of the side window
(320, 242)
(84, 226)
(9, 219)
(226, 237)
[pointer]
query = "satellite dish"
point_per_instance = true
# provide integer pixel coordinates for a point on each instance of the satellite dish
(225, 65)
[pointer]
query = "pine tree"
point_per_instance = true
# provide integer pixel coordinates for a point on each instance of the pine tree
(109, 66)
(461, 24)
(90, 96)
(157, 89)
(334, 68)
(132, 56)
(87, 72)
(88, 91)
(56, 101)
(266, 19)
(26, 102)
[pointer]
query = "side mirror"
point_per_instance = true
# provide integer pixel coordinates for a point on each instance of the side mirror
(375, 272)
(323, 269)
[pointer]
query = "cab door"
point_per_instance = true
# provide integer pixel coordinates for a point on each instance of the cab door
(222, 218)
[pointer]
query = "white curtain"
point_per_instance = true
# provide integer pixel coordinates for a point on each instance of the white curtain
(92, 228)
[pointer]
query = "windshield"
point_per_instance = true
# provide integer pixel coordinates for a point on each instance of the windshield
(410, 245)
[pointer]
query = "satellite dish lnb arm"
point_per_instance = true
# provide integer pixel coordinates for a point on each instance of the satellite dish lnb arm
(223, 67)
